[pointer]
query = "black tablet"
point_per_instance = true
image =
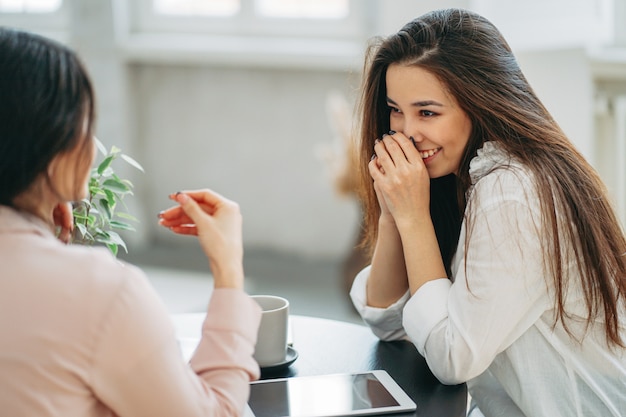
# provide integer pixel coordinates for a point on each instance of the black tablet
(359, 394)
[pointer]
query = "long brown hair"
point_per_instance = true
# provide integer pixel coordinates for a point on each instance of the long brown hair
(473, 61)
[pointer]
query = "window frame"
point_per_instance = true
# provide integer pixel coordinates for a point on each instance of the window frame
(292, 44)
(247, 24)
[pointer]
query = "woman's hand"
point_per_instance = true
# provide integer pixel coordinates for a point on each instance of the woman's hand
(385, 214)
(401, 179)
(63, 218)
(217, 223)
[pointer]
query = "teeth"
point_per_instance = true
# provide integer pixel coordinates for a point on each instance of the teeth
(426, 154)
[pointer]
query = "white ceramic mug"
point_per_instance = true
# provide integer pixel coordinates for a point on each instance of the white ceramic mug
(271, 345)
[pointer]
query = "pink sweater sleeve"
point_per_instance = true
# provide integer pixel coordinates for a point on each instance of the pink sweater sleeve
(138, 365)
(223, 357)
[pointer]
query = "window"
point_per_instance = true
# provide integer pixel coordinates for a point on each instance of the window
(196, 7)
(45, 16)
(300, 33)
(320, 9)
(29, 6)
(319, 18)
(312, 9)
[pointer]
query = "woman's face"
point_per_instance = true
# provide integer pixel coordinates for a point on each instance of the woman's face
(423, 109)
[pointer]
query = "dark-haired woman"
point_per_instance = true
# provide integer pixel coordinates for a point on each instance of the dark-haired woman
(495, 248)
(82, 334)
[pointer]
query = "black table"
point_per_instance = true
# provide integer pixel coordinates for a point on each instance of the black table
(329, 347)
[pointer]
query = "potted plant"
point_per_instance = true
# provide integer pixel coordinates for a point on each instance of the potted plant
(98, 217)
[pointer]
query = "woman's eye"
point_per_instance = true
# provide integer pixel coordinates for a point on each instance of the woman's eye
(427, 113)
(394, 109)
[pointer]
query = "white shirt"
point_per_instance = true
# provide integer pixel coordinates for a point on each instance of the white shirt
(492, 325)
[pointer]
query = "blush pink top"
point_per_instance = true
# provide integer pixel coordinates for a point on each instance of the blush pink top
(84, 334)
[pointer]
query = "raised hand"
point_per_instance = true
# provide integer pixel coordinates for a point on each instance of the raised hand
(400, 177)
(217, 223)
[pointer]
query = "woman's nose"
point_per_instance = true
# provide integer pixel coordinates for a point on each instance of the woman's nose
(410, 130)
(416, 138)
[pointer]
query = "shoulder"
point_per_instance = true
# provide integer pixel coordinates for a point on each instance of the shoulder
(497, 177)
(93, 273)
(99, 265)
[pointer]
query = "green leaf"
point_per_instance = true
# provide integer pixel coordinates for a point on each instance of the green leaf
(82, 229)
(95, 189)
(127, 216)
(110, 197)
(121, 225)
(111, 238)
(80, 217)
(115, 238)
(116, 186)
(104, 204)
(95, 178)
(105, 164)
(113, 248)
(132, 162)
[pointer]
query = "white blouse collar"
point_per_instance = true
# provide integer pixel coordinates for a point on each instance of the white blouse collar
(487, 158)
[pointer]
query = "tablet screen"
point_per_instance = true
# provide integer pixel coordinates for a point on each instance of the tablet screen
(325, 395)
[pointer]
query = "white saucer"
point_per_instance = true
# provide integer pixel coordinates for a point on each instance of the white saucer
(290, 358)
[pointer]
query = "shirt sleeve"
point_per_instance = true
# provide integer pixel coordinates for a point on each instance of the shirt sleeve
(491, 398)
(499, 289)
(138, 365)
(386, 323)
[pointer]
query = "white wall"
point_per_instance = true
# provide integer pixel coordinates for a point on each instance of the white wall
(251, 134)
(563, 80)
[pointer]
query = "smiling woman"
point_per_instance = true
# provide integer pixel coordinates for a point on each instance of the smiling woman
(495, 246)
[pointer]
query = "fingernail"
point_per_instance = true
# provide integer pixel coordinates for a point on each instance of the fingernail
(392, 132)
(378, 140)
(182, 198)
(373, 157)
(159, 214)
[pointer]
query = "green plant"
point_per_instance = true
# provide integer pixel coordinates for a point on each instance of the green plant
(97, 217)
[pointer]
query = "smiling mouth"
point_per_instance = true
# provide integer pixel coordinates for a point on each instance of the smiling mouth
(429, 153)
